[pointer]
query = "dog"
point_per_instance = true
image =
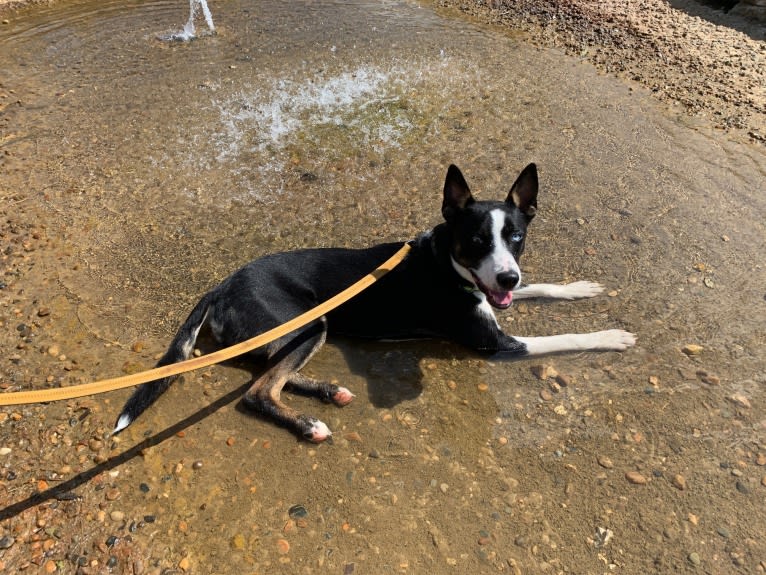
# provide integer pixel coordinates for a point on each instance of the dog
(447, 287)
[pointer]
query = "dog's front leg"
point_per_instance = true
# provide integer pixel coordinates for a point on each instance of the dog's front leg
(608, 340)
(574, 290)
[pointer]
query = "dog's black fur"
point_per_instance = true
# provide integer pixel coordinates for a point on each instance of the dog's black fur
(445, 288)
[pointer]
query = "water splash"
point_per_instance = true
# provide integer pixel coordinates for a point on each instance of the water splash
(189, 32)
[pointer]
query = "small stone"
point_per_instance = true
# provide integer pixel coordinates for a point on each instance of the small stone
(117, 516)
(546, 395)
(238, 542)
(692, 349)
(353, 437)
(560, 410)
(5, 450)
(50, 566)
(482, 387)
(604, 462)
(710, 379)
(543, 372)
(443, 487)
(283, 546)
(95, 444)
(138, 346)
(43, 311)
(230, 441)
(564, 380)
(297, 512)
(184, 564)
(694, 558)
(693, 519)
(763, 480)
(742, 487)
(759, 460)
(197, 465)
(54, 350)
(679, 482)
(636, 478)
(6, 542)
(113, 494)
(723, 532)
(740, 400)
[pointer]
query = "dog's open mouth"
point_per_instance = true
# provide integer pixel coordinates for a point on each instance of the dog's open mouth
(497, 299)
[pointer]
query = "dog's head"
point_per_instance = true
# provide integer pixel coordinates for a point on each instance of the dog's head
(487, 238)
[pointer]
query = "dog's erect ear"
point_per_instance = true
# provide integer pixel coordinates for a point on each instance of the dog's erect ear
(457, 196)
(523, 192)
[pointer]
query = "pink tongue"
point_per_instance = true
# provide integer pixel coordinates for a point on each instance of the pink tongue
(501, 298)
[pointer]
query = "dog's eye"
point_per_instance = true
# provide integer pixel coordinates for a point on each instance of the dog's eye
(517, 237)
(477, 241)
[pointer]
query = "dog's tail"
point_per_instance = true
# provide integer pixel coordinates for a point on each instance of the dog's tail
(180, 349)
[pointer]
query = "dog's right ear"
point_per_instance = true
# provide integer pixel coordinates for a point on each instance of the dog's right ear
(457, 195)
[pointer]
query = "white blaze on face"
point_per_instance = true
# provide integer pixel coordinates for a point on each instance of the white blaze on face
(500, 259)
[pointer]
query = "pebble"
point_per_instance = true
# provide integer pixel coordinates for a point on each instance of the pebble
(238, 541)
(636, 478)
(353, 436)
(5, 450)
(741, 400)
(283, 546)
(692, 349)
(117, 516)
(297, 512)
(694, 558)
(113, 494)
(742, 487)
(6, 542)
(197, 465)
(564, 380)
(679, 482)
(604, 462)
(184, 564)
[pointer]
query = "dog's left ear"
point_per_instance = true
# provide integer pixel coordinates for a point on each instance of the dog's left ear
(523, 192)
(457, 195)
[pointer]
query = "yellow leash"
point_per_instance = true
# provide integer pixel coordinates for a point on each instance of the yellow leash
(46, 395)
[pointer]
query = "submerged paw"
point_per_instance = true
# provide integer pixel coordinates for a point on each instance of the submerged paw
(342, 397)
(316, 431)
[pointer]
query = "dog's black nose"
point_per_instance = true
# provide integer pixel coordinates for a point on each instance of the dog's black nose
(507, 280)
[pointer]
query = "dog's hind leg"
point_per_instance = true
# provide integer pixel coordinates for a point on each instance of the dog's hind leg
(325, 391)
(286, 357)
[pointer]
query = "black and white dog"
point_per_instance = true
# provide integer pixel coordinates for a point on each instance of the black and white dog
(446, 287)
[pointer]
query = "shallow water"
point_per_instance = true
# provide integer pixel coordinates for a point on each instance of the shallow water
(158, 167)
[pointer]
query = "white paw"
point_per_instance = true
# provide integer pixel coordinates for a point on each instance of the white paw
(613, 340)
(581, 289)
(318, 431)
(342, 397)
